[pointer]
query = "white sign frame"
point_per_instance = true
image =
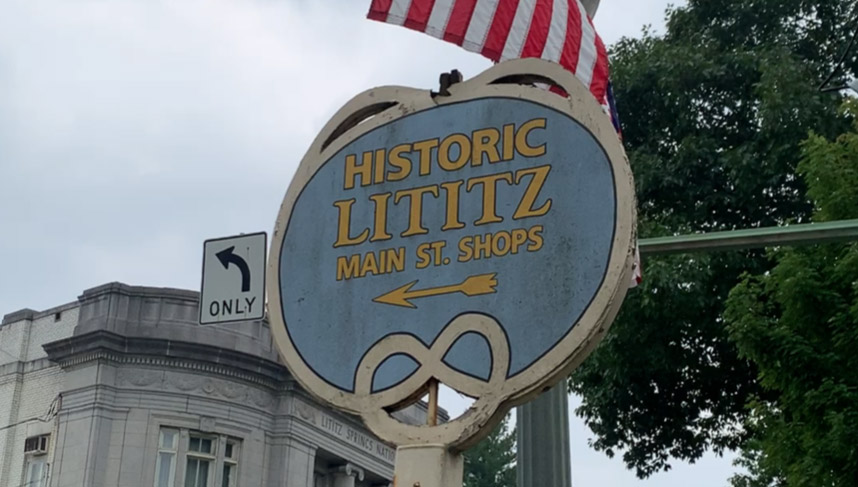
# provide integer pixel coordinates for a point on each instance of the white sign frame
(495, 398)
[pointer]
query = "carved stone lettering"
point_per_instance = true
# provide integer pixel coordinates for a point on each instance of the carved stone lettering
(344, 432)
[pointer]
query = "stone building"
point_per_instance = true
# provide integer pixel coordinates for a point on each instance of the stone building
(122, 388)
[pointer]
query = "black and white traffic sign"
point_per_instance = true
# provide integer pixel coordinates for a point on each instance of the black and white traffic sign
(233, 285)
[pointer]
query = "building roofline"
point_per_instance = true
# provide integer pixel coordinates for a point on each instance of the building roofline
(116, 287)
(27, 314)
(20, 315)
(129, 290)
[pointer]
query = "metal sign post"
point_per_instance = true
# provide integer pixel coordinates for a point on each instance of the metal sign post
(481, 237)
(543, 450)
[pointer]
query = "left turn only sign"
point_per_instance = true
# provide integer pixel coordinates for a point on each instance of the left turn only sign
(233, 284)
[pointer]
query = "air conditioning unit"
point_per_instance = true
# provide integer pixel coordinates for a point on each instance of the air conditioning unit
(36, 445)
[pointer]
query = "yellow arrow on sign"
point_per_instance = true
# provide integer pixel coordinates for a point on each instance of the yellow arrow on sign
(472, 286)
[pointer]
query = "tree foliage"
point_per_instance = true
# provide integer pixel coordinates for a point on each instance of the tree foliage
(492, 462)
(799, 325)
(713, 115)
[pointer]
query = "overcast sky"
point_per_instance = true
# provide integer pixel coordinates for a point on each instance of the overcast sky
(131, 131)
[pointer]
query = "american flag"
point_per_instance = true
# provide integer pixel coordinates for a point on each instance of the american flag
(554, 30)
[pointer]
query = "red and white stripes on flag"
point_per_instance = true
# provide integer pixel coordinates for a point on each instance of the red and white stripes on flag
(554, 30)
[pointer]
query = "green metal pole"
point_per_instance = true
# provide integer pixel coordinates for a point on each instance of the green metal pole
(802, 234)
(543, 430)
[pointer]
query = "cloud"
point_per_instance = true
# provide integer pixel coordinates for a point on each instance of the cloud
(126, 122)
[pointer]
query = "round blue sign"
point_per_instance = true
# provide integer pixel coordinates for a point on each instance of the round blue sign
(493, 206)
(483, 240)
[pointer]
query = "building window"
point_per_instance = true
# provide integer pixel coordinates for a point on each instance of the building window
(230, 464)
(36, 465)
(201, 457)
(209, 460)
(37, 471)
(165, 465)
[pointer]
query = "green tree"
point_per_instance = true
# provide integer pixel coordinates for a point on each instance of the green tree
(491, 463)
(713, 113)
(799, 325)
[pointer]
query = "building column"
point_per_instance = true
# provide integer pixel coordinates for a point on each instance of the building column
(345, 475)
(291, 463)
(543, 440)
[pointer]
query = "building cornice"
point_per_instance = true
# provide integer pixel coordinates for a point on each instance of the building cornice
(169, 354)
(138, 291)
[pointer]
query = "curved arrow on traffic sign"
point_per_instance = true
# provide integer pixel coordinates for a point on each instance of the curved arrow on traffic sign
(227, 257)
